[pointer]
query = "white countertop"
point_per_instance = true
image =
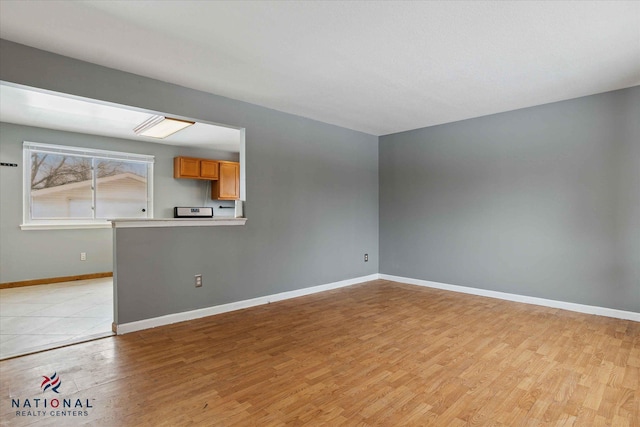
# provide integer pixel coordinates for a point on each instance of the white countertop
(177, 222)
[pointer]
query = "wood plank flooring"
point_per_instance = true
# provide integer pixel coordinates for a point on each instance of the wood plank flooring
(380, 353)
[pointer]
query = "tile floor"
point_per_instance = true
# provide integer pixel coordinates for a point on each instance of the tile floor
(34, 318)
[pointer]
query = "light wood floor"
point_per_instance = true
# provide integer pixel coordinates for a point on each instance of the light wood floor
(380, 353)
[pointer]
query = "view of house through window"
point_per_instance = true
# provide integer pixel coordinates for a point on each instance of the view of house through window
(69, 183)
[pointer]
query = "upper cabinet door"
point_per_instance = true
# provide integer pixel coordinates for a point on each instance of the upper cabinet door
(209, 169)
(228, 185)
(186, 167)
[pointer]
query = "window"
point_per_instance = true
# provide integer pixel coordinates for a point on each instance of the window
(70, 187)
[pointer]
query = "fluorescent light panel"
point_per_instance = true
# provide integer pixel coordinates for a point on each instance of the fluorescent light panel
(161, 127)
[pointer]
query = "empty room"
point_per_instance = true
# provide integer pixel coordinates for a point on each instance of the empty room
(266, 213)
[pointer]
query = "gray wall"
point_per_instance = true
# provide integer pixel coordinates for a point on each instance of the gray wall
(543, 201)
(37, 254)
(312, 197)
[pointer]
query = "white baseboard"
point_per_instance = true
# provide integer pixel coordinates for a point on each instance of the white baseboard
(580, 308)
(125, 328)
(238, 305)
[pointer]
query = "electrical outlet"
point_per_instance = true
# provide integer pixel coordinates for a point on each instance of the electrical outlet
(198, 280)
(83, 256)
(366, 257)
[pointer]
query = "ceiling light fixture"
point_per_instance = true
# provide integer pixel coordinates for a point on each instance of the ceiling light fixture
(161, 127)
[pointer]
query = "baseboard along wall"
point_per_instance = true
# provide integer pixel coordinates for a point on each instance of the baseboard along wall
(580, 308)
(50, 280)
(238, 305)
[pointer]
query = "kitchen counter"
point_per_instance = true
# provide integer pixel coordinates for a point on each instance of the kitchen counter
(176, 222)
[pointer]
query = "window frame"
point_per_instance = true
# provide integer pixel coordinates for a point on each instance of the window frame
(28, 148)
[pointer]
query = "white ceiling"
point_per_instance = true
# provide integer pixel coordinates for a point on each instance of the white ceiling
(378, 67)
(25, 106)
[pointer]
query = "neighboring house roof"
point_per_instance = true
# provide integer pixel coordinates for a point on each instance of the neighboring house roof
(81, 184)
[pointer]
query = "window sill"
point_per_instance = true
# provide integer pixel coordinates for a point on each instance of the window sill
(67, 226)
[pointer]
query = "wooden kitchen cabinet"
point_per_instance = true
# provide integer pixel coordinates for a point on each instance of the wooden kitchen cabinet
(227, 187)
(209, 169)
(194, 168)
